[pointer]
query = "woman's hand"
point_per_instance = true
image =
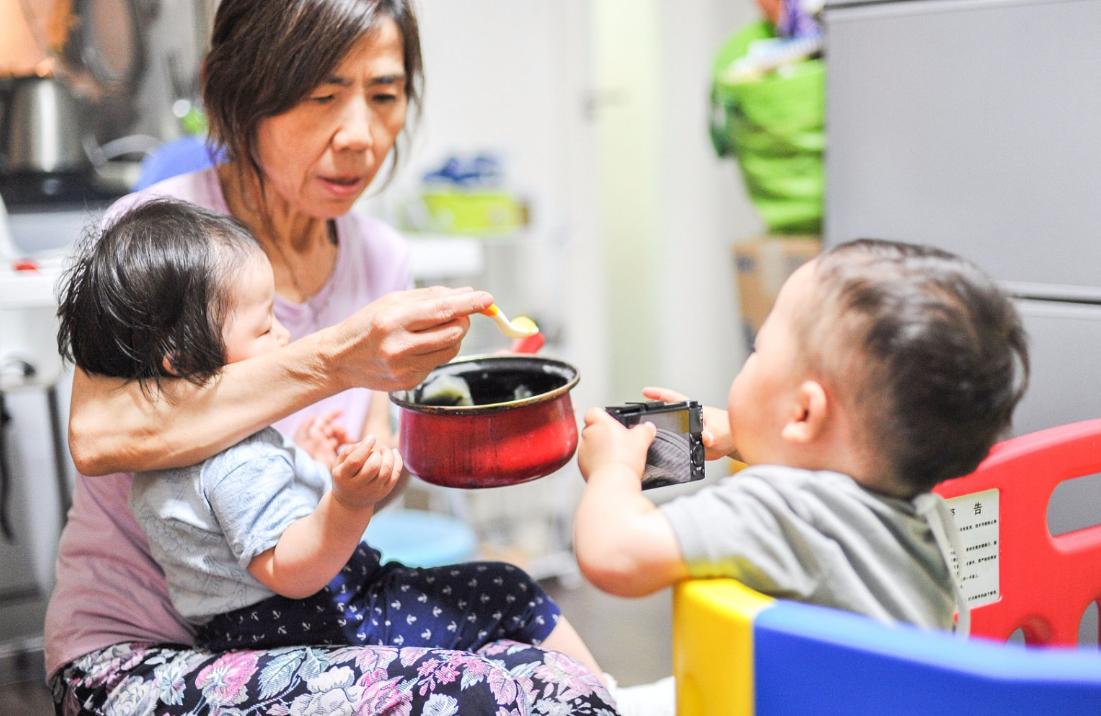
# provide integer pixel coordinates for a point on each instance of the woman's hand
(606, 443)
(716, 424)
(321, 436)
(394, 342)
(364, 474)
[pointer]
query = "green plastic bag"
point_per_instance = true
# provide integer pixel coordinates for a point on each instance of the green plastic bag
(774, 127)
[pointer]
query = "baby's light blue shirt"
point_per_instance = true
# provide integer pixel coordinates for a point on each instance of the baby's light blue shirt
(206, 522)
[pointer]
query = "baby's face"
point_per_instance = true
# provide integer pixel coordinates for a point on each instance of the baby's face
(763, 395)
(251, 329)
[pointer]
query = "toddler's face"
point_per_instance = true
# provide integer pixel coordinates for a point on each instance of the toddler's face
(763, 395)
(251, 329)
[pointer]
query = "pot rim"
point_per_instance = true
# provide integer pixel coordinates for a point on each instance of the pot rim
(492, 407)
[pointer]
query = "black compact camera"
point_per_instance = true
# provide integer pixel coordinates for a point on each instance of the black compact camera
(676, 455)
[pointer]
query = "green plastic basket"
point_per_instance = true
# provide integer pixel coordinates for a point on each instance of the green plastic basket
(774, 127)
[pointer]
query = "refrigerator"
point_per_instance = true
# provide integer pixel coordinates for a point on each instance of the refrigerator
(975, 126)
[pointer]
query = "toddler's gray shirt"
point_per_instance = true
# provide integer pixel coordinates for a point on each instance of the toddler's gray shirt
(817, 537)
(205, 523)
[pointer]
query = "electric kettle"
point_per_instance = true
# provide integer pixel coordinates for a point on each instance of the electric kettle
(43, 129)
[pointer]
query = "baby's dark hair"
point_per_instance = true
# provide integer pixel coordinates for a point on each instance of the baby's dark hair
(154, 283)
(927, 351)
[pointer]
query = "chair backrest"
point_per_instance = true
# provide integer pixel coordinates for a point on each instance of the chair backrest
(737, 652)
(1042, 584)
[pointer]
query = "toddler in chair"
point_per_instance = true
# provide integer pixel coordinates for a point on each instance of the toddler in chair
(882, 370)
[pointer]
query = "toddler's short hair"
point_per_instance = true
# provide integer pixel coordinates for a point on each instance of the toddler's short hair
(926, 350)
(154, 283)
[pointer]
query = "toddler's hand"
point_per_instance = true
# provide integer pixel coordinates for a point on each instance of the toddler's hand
(321, 436)
(365, 473)
(716, 424)
(606, 442)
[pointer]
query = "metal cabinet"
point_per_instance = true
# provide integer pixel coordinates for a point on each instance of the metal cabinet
(972, 125)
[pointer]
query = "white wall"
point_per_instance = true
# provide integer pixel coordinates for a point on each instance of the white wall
(704, 209)
(671, 209)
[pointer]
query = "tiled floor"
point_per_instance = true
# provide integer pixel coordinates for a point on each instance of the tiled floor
(29, 698)
(22, 692)
(630, 639)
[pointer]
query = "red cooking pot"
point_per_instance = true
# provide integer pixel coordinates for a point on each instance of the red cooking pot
(489, 421)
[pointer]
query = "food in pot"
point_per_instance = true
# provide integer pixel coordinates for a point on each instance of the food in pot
(489, 421)
(446, 390)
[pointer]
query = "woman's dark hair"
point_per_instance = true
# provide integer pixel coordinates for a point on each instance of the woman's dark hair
(154, 283)
(928, 351)
(266, 57)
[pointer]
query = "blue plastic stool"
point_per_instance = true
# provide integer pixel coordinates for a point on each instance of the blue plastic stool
(418, 538)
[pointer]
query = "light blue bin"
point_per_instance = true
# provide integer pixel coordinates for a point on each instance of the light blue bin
(418, 538)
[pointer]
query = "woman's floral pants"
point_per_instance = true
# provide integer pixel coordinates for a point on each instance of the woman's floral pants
(504, 678)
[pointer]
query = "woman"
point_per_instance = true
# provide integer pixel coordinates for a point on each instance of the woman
(308, 98)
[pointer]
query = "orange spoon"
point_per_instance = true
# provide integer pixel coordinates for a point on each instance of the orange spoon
(521, 327)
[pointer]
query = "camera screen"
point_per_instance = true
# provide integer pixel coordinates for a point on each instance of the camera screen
(673, 422)
(669, 460)
(677, 454)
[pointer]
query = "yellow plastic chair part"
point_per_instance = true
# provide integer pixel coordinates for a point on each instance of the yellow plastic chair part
(713, 646)
(739, 653)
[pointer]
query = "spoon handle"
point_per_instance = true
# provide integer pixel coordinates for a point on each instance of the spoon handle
(524, 329)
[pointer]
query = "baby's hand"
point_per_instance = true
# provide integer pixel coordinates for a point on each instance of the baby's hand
(606, 442)
(321, 436)
(716, 424)
(365, 473)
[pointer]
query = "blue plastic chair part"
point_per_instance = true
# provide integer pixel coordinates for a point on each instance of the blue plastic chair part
(814, 660)
(739, 653)
(178, 156)
(418, 538)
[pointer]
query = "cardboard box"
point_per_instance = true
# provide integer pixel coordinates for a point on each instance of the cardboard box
(762, 265)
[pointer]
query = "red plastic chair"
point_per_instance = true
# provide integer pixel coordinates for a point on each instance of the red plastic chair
(1046, 583)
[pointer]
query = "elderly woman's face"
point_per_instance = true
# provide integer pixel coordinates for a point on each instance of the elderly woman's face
(322, 154)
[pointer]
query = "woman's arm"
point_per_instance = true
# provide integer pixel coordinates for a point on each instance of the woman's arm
(625, 545)
(390, 344)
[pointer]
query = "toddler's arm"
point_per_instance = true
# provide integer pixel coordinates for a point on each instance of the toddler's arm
(625, 545)
(316, 547)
